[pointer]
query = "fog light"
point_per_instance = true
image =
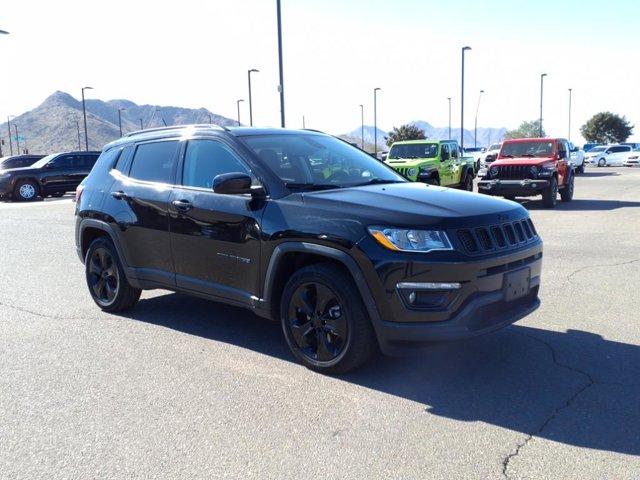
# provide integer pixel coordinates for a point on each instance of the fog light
(412, 297)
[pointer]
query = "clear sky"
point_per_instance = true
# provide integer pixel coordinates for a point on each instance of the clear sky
(196, 53)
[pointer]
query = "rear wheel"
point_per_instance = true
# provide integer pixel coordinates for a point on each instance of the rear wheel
(550, 194)
(25, 191)
(566, 194)
(467, 183)
(325, 321)
(108, 285)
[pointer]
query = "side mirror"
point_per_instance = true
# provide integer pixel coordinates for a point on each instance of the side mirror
(236, 183)
(562, 155)
(49, 165)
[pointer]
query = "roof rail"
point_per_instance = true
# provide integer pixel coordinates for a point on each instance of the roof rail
(312, 130)
(176, 127)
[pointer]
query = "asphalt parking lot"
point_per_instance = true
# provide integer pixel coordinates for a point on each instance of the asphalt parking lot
(184, 388)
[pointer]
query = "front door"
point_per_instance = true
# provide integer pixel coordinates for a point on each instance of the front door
(215, 238)
(57, 177)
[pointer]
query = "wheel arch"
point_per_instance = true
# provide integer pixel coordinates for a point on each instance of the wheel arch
(91, 229)
(290, 256)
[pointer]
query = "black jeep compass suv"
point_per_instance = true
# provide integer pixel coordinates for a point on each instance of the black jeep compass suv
(302, 228)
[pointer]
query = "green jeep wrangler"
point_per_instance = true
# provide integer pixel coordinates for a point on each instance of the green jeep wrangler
(432, 161)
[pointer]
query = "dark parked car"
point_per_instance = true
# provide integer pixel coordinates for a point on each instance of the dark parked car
(304, 229)
(18, 161)
(53, 175)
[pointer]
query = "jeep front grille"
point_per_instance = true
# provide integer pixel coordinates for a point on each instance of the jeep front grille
(483, 240)
(513, 172)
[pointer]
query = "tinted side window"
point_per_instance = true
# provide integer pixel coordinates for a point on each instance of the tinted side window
(204, 159)
(122, 164)
(106, 159)
(87, 161)
(64, 161)
(444, 149)
(154, 162)
(454, 151)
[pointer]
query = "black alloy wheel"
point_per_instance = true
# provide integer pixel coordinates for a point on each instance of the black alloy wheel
(103, 276)
(317, 323)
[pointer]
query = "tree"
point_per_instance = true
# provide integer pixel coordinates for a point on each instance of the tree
(606, 127)
(525, 130)
(405, 132)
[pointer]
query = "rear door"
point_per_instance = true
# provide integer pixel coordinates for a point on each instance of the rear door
(215, 238)
(142, 194)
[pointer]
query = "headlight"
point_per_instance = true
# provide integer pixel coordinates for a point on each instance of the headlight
(411, 172)
(482, 172)
(493, 171)
(399, 239)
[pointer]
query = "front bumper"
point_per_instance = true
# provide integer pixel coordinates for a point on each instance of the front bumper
(5, 188)
(484, 301)
(525, 187)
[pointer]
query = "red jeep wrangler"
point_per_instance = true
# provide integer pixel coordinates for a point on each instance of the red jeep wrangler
(528, 167)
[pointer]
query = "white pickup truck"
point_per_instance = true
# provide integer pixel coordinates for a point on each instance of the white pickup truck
(576, 158)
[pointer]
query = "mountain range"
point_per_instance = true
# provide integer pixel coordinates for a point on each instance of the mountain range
(57, 125)
(53, 125)
(486, 135)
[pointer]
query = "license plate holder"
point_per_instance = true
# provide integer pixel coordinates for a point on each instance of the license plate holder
(517, 284)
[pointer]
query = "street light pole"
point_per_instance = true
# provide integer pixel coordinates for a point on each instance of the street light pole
(120, 119)
(541, 96)
(238, 106)
(475, 125)
(375, 121)
(9, 131)
(78, 128)
(210, 121)
(141, 126)
(569, 136)
(304, 123)
(362, 125)
(15, 127)
(449, 98)
(84, 114)
(281, 86)
(4, 32)
(464, 49)
(253, 70)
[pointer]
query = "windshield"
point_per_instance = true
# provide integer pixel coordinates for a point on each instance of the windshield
(539, 148)
(414, 150)
(598, 149)
(44, 160)
(495, 146)
(312, 161)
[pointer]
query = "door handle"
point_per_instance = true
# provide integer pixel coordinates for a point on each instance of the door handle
(182, 205)
(119, 195)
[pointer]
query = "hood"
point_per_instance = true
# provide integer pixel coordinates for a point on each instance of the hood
(408, 161)
(414, 204)
(522, 161)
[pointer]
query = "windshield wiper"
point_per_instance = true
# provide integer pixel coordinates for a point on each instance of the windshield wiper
(505, 155)
(310, 186)
(378, 181)
(527, 155)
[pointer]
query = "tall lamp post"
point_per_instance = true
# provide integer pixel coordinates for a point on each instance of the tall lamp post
(141, 125)
(9, 132)
(4, 32)
(541, 96)
(238, 106)
(464, 49)
(449, 98)
(253, 70)
(15, 127)
(280, 68)
(375, 121)
(84, 115)
(475, 124)
(569, 130)
(362, 125)
(120, 109)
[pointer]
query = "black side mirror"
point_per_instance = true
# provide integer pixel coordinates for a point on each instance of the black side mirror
(236, 183)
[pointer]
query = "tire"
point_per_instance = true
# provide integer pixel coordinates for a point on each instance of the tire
(550, 194)
(467, 183)
(324, 320)
(26, 191)
(57, 194)
(602, 162)
(566, 194)
(433, 181)
(107, 283)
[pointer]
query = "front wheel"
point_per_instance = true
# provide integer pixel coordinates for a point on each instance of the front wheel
(324, 320)
(25, 191)
(108, 285)
(550, 194)
(566, 194)
(580, 169)
(602, 162)
(433, 181)
(467, 184)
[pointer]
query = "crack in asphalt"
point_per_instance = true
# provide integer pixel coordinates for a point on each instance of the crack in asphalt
(589, 382)
(33, 312)
(609, 265)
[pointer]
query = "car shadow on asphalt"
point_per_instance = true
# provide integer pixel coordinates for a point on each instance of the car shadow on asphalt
(577, 205)
(597, 174)
(573, 387)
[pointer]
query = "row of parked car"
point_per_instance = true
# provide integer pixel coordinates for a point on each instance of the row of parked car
(27, 177)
